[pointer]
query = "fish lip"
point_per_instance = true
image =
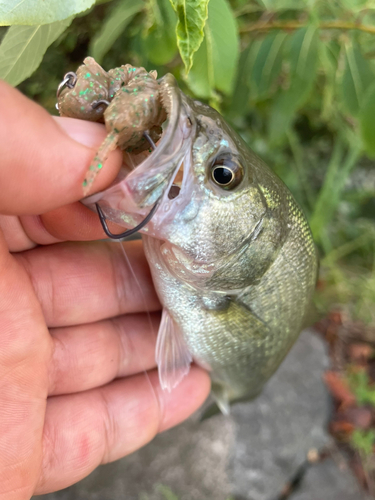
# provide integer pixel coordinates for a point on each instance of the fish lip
(129, 199)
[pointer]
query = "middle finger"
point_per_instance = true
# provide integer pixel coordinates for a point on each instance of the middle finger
(89, 356)
(79, 283)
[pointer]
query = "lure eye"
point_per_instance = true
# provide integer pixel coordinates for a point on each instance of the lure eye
(226, 173)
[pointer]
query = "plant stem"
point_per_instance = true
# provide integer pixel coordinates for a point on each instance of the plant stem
(294, 25)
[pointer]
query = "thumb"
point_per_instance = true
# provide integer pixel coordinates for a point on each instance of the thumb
(43, 160)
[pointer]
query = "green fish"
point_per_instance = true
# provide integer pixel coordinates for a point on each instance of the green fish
(231, 253)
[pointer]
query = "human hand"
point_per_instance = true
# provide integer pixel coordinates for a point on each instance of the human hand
(74, 336)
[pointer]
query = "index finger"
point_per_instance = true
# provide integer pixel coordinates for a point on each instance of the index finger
(44, 160)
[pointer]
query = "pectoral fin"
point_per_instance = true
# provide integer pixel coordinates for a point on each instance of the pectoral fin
(172, 354)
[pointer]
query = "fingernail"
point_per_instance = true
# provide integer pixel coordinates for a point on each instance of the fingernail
(89, 134)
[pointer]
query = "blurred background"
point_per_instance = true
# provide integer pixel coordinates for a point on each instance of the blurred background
(296, 78)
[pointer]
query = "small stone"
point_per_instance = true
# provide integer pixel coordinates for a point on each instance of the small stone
(313, 456)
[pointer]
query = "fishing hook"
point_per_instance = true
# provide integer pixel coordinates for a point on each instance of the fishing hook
(129, 232)
(135, 229)
(70, 79)
(96, 104)
(147, 136)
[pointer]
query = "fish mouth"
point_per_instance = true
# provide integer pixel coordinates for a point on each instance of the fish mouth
(152, 177)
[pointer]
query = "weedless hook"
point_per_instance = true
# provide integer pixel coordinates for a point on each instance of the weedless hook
(147, 219)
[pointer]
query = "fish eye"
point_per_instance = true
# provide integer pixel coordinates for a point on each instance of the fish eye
(226, 173)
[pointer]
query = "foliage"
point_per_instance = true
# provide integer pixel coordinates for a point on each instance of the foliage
(216, 60)
(296, 78)
(363, 390)
(363, 442)
(166, 492)
(192, 16)
(30, 43)
(116, 22)
(34, 12)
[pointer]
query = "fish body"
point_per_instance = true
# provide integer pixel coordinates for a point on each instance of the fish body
(231, 255)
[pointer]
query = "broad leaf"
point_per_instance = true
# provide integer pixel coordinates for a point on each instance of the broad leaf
(34, 12)
(267, 64)
(23, 47)
(216, 60)
(116, 22)
(201, 78)
(241, 91)
(367, 121)
(159, 43)
(356, 78)
(192, 16)
(258, 68)
(303, 60)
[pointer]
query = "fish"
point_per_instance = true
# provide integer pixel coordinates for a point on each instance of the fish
(231, 254)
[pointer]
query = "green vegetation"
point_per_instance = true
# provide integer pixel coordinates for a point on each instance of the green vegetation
(166, 492)
(296, 78)
(362, 387)
(364, 442)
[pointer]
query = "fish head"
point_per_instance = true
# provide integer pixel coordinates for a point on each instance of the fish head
(219, 219)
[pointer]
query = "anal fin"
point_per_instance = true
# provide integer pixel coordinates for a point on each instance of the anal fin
(172, 354)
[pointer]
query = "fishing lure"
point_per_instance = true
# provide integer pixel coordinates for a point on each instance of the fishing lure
(126, 99)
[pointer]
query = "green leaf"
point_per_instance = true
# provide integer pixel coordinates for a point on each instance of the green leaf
(34, 12)
(356, 78)
(166, 492)
(115, 23)
(258, 68)
(241, 91)
(216, 60)
(267, 64)
(367, 121)
(337, 173)
(276, 5)
(159, 42)
(23, 47)
(192, 16)
(303, 59)
(201, 78)
(329, 56)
